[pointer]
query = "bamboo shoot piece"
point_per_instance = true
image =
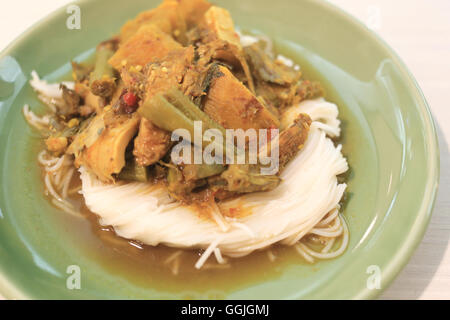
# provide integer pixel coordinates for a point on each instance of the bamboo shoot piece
(106, 156)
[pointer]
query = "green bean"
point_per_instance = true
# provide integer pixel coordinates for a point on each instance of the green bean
(169, 117)
(201, 171)
(164, 115)
(134, 172)
(102, 80)
(193, 112)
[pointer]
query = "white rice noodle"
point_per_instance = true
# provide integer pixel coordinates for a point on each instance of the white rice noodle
(323, 112)
(325, 254)
(288, 62)
(329, 245)
(246, 40)
(49, 94)
(308, 194)
(35, 121)
(59, 172)
(219, 218)
(173, 256)
(302, 253)
(49, 91)
(219, 256)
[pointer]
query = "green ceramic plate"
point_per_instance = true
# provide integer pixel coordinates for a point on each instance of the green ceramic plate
(389, 139)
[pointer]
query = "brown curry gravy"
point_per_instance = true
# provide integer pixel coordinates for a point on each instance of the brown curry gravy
(145, 265)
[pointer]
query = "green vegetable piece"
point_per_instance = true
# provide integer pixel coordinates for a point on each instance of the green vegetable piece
(134, 172)
(179, 113)
(102, 81)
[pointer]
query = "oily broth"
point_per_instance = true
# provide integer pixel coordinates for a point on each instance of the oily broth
(145, 265)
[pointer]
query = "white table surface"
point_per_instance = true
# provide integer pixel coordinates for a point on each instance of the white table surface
(419, 30)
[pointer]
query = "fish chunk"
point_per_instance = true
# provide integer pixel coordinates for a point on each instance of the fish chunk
(151, 144)
(147, 45)
(232, 105)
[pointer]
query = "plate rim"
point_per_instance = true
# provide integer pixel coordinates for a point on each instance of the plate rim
(414, 236)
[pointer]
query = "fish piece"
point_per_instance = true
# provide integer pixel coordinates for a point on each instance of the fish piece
(218, 31)
(230, 103)
(264, 68)
(219, 23)
(192, 11)
(151, 143)
(246, 178)
(307, 89)
(293, 139)
(169, 71)
(148, 44)
(169, 17)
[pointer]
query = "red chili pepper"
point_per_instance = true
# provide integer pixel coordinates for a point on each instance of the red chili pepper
(130, 99)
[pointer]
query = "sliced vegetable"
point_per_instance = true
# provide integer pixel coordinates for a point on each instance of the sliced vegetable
(134, 172)
(179, 187)
(185, 105)
(165, 115)
(102, 81)
(248, 178)
(72, 101)
(266, 69)
(201, 171)
(80, 72)
(173, 111)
